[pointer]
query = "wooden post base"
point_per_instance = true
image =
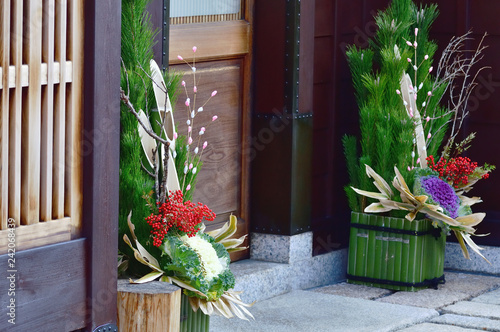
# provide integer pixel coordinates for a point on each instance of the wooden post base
(153, 306)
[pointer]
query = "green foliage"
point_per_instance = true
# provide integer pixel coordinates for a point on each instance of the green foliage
(136, 185)
(386, 130)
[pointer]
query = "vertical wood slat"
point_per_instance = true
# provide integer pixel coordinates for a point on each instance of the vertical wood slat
(31, 124)
(4, 116)
(15, 113)
(73, 182)
(47, 117)
(59, 112)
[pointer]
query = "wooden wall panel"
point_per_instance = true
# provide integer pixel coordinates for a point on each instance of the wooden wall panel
(220, 176)
(47, 299)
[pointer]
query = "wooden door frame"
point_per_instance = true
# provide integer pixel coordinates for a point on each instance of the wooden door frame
(72, 285)
(101, 164)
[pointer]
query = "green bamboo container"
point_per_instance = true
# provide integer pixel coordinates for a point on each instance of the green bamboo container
(383, 253)
(192, 321)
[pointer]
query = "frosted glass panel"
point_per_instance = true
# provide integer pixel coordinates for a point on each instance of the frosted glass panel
(185, 8)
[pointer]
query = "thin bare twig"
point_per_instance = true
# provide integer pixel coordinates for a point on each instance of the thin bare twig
(457, 63)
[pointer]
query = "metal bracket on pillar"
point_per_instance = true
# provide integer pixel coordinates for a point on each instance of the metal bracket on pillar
(292, 44)
(165, 33)
(106, 328)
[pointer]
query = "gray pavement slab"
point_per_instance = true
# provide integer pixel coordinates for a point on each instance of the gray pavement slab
(478, 309)
(357, 291)
(492, 297)
(426, 298)
(478, 323)
(458, 287)
(305, 311)
(471, 284)
(429, 327)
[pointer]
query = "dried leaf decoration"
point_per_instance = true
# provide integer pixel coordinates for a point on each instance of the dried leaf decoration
(223, 234)
(228, 305)
(462, 226)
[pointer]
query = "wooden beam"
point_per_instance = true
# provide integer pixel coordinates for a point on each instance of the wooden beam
(60, 112)
(101, 119)
(58, 74)
(37, 235)
(16, 114)
(246, 121)
(73, 152)
(47, 131)
(221, 40)
(4, 115)
(31, 124)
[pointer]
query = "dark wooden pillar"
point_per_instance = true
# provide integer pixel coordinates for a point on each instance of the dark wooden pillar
(101, 136)
(281, 146)
(160, 18)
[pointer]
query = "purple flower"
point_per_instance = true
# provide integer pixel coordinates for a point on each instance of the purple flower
(442, 193)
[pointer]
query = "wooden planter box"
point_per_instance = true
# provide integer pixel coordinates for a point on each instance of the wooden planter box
(395, 253)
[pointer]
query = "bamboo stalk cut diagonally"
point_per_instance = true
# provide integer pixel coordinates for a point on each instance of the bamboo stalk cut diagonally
(408, 94)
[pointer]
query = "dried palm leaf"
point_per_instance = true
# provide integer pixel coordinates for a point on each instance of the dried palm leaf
(462, 226)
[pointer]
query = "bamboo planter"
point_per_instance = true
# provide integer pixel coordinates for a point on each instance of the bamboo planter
(192, 321)
(395, 253)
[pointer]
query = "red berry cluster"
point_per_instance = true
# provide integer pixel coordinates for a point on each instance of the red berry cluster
(455, 170)
(175, 213)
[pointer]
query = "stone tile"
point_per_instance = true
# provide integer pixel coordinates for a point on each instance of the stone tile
(426, 298)
(477, 309)
(458, 287)
(426, 327)
(470, 284)
(357, 291)
(307, 311)
(492, 297)
(479, 323)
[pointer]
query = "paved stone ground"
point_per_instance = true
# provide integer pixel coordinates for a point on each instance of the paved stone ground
(466, 302)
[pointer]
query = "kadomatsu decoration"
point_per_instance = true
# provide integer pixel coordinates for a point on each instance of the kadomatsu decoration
(400, 93)
(182, 253)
